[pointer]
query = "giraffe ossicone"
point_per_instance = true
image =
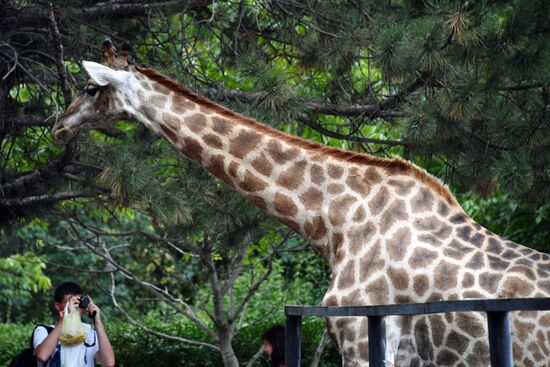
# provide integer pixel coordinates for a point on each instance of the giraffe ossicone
(390, 232)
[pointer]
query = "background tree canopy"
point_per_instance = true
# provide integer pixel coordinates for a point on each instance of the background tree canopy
(461, 88)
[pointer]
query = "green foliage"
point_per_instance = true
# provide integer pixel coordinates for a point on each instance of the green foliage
(514, 173)
(134, 347)
(21, 277)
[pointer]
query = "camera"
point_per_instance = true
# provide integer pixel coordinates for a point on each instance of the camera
(84, 302)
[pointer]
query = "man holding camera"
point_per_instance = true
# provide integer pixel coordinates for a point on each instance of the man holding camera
(47, 347)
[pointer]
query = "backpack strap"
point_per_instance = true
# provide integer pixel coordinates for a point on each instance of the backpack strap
(48, 329)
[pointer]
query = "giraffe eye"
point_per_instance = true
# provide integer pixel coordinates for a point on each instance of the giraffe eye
(91, 90)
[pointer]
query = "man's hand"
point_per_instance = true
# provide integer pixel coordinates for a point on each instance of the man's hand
(93, 310)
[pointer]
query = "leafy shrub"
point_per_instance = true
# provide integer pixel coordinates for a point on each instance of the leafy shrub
(135, 347)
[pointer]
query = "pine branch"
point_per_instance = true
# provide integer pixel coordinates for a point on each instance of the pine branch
(44, 199)
(38, 16)
(382, 110)
(318, 127)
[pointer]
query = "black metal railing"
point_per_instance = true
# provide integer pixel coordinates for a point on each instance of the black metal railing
(497, 310)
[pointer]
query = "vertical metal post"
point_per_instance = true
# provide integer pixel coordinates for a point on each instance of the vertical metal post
(292, 342)
(377, 341)
(500, 339)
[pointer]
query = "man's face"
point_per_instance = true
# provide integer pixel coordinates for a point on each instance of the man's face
(75, 298)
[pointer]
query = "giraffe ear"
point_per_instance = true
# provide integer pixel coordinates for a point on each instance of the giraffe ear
(104, 75)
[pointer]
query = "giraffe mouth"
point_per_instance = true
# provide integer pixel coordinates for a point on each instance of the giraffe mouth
(62, 133)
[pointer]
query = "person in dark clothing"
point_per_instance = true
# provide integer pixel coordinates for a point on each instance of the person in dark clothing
(274, 345)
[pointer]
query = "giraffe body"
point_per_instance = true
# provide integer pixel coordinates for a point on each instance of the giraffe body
(390, 232)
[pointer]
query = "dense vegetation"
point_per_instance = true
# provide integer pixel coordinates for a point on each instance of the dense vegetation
(459, 87)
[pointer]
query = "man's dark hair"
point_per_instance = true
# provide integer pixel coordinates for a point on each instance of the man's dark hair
(64, 289)
(275, 336)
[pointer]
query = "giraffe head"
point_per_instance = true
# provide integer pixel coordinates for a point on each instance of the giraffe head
(105, 98)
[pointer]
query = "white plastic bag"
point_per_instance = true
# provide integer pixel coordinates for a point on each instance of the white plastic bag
(73, 331)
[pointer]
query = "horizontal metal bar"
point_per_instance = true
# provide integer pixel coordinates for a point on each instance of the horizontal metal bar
(470, 305)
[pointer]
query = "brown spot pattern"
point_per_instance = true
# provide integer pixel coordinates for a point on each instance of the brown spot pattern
(422, 257)
(192, 149)
(222, 126)
(470, 324)
(169, 134)
(422, 201)
(360, 214)
(421, 283)
(293, 177)
(360, 236)
(381, 199)
(337, 247)
(252, 183)
(244, 143)
(402, 187)
(315, 229)
(371, 262)
(335, 188)
(377, 291)
(284, 205)
(338, 209)
(515, 287)
(346, 278)
(489, 281)
(312, 199)
(438, 329)
(213, 141)
(399, 278)
(171, 120)
(396, 212)
(233, 168)
(196, 122)
(445, 276)
(216, 166)
(316, 173)
(180, 104)
(279, 154)
(397, 245)
(358, 184)
(372, 176)
(258, 201)
(335, 171)
(262, 165)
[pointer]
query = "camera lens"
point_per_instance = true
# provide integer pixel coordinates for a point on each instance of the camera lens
(84, 302)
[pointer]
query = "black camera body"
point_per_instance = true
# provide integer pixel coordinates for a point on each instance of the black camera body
(84, 302)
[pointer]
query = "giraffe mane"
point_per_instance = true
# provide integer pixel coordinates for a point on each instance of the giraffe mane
(394, 165)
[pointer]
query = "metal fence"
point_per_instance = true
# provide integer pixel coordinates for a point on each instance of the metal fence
(500, 342)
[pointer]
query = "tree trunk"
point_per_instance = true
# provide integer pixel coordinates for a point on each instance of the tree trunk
(226, 349)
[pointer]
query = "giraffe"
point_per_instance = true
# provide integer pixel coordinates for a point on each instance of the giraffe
(390, 232)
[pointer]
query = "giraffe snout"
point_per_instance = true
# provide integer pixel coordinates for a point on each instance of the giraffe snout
(62, 133)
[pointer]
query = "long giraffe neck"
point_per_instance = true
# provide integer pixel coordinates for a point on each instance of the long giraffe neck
(324, 194)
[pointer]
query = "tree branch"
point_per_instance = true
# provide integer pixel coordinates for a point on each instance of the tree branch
(160, 293)
(318, 127)
(44, 199)
(38, 16)
(259, 282)
(151, 331)
(381, 110)
(58, 51)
